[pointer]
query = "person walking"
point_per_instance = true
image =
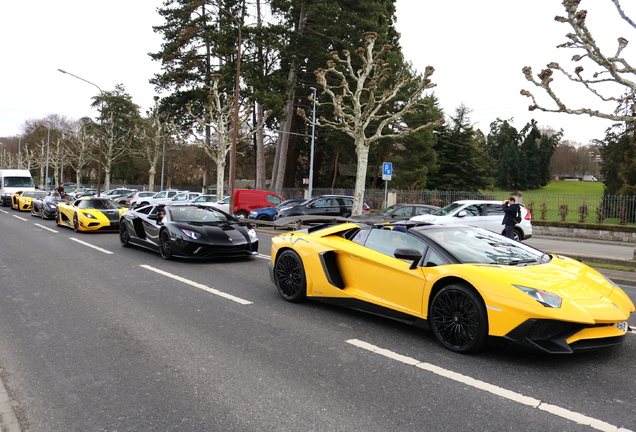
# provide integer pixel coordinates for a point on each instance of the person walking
(511, 212)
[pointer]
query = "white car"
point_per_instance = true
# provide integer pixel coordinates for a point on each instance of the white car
(159, 196)
(180, 198)
(212, 201)
(479, 213)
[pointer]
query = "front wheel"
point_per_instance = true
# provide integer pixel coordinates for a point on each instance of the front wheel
(76, 223)
(165, 248)
(458, 318)
(289, 274)
(241, 214)
(124, 235)
(264, 217)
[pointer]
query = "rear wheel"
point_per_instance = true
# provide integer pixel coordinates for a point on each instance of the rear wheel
(241, 214)
(517, 235)
(289, 274)
(458, 318)
(165, 248)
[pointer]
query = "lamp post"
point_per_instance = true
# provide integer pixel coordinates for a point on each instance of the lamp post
(232, 173)
(2, 156)
(19, 151)
(101, 123)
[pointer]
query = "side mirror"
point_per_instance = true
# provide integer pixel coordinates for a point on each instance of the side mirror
(152, 217)
(462, 214)
(312, 205)
(409, 255)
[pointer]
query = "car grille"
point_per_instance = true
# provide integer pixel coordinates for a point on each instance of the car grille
(198, 251)
(545, 329)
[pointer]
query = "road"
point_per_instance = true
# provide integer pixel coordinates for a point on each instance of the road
(94, 336)
(601, 249)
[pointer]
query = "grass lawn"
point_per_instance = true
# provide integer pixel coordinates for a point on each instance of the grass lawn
(571, 188)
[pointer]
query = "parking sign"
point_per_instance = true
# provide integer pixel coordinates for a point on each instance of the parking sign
(387, 170)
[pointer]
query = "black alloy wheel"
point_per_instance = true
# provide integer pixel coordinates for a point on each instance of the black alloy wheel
(264, 217)
(76, 223)
(124, 235)
(458, 319)
(289, 274)
(165, 248)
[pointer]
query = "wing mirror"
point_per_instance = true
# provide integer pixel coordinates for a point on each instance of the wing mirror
(462, 213)
(409, 255)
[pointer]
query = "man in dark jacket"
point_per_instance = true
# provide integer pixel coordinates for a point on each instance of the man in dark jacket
(510, 209)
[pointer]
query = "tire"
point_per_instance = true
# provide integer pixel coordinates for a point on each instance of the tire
(458, 319)
(241, 214)
(289, 274)
(165, 248)
(76, 223)
(124, 235)
(264, 217)
(517, 235)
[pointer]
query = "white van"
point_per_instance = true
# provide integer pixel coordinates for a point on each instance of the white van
(12, 181)
(486, 214)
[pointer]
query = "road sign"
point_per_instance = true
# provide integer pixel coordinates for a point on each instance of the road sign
(387, 171)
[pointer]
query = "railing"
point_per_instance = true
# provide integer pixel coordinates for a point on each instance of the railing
(608, 209)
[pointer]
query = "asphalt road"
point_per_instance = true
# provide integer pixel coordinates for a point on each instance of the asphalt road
(96, 337)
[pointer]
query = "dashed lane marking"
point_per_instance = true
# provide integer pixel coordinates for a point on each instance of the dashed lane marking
(198, 285)
(482, 385)
(92, 246)
(46, 228)
(19, 217)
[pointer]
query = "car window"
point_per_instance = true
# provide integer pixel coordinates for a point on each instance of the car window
(273, 199)
(473, 210)
(160, 195)
(171, 194)
(435, 259)
(403, 211)
(322, 202)
(422, 210)
(386, 241)
(494, 209)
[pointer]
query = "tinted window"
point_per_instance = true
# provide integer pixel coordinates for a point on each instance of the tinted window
(386, 241)
(273, 199)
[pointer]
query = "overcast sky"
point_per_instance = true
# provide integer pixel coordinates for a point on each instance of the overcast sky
(478, 49)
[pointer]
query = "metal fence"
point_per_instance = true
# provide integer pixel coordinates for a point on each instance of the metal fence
(608, 209)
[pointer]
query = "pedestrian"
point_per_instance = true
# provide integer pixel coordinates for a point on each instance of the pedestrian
(511, 212)
(60, 190)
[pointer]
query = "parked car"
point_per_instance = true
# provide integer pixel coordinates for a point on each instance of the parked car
(116, 193)
(168, 193)
(246, 200)
(188, 231)
(124, 199)
(486, 214)
(21, 201)
(180, 198)
(131, 201)
(467, 284)
(324, 205)
(268, 213)
(396, 212)
(208, 200)
(46, 207)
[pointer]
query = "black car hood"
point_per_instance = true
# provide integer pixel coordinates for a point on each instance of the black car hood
(218, 233)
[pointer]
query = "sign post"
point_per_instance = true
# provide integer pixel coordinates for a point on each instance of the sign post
(387, 172)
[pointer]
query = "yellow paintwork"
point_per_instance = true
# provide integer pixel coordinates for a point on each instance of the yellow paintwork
(21, 202)
(89, 219)
(373, 277)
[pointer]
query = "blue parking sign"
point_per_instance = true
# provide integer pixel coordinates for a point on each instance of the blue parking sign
(387, 168)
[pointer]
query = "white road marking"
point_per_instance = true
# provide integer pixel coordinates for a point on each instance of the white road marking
(46, 228)
(481, 385)
(198, 285)
(263, 256)
(19, 217)
(4, 211)
(92, 246)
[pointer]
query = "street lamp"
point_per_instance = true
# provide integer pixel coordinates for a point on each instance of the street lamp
(19, 151)
(101, 122)
(2, 156)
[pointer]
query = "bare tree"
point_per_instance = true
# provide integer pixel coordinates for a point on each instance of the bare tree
(613, 81)
(366, 106)
(79, 147)
(219, 116)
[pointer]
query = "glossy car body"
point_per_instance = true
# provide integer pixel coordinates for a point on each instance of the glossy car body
(21, 201)
(46, 207)
(116, 193)
(487, 214)
(158, 196)
(268, 213)
(207, 200)
(180, 198)
(90, 214)
(396, 212)
(324, 205)
(135, 199)
(188, 231)
(468, 285)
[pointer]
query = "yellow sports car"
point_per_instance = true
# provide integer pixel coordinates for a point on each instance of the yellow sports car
(21, 201)
(90, 214)
(468, 285)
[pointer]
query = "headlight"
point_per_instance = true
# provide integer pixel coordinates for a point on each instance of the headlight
(88, 215)
(192, 234)
(547, 299)
(253, 236)
(253, 213)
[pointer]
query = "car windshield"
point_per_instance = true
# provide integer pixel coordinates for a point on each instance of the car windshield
(292, 203)
(25, 182)
(99, 204)
(196, 214)
(34, 194)
(445, 211)
(476, 245)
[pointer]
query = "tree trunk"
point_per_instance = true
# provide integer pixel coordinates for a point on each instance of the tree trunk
(362, 151)
(261, 174)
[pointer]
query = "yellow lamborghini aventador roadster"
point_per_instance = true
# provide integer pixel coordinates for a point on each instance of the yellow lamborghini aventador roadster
(468, 285)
